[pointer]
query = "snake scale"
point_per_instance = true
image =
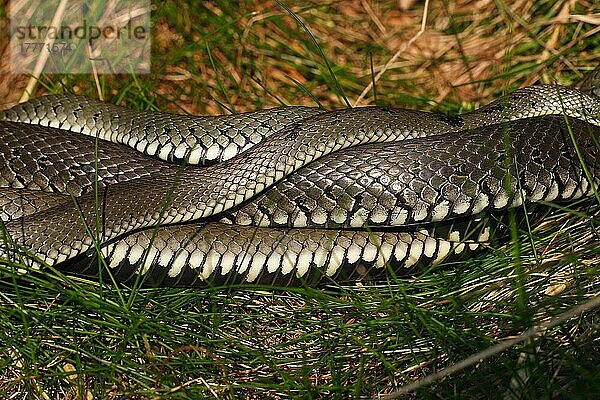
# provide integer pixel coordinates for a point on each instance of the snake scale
(285, 196)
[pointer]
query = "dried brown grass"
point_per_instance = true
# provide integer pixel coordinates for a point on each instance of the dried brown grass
(461, 57)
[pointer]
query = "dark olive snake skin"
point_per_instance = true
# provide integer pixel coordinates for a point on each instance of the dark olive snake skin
(286, 196)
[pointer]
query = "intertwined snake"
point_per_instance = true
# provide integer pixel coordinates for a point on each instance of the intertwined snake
(283, 196)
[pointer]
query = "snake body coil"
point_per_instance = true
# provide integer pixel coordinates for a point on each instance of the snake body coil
(283, 196)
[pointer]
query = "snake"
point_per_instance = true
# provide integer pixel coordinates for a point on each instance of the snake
(286, 196)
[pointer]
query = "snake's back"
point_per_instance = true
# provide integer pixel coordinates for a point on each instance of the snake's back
(285, 196)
